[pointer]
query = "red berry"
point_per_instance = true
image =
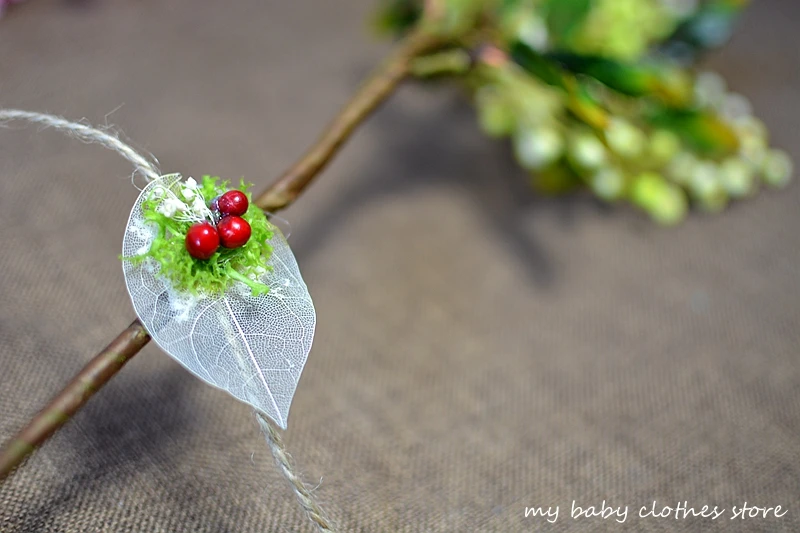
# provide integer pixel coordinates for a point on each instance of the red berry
(202, 240)
(232, 203)
(233, 232)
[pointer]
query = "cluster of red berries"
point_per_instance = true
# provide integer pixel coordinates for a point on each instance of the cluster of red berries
(231, 231)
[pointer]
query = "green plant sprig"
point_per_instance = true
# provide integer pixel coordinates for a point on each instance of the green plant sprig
(601, 93)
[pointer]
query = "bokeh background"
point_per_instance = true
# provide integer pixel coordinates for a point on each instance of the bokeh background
(479, 349)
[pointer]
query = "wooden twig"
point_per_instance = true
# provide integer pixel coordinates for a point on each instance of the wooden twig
(61, 408)
(369, 96)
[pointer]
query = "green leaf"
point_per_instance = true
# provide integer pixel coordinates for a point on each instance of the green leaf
(460, 16)
(564, 17)
(580, 101)
(446, 63)
(510, 4)
(584, 106)
(632, 80)
(704, 131)
(665, 202)
(397, 16)
(628, 78)
(535, 63)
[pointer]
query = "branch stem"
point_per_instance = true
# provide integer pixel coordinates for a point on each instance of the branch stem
(61, 408)
(373, 92)
(283, 192)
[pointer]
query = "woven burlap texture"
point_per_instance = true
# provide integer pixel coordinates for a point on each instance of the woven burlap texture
(479, 349)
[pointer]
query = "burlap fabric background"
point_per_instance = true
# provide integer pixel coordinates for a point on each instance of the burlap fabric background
(479, 350)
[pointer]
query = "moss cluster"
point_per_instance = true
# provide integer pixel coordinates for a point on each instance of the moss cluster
(227, 266)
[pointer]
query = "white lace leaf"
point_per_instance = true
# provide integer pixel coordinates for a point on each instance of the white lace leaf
(254, 347)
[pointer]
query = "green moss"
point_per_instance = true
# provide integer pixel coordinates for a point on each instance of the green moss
(226, 266)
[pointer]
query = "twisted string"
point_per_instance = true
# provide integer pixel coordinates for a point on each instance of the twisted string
(86, 134)
(284, 461)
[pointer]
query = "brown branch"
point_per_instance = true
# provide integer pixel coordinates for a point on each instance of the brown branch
(277, 196)
(93, 376)
(369, 96)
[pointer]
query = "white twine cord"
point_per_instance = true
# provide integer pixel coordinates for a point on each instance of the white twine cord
(88, 134)
(284, 462)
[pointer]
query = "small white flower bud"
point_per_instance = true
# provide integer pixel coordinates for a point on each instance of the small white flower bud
(736, 176)
(199, 206)
(624, 138)
(703, 181)
(168, 207)
(709, 89)
(533, 32)
(735, 106)
(753, 148)
(681, 168)
(537, 148)
(587, 151)
(706, 186)
(664, 145)
(777, 168)
(608, 183)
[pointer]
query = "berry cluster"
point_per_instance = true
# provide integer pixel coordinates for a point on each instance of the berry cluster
(230, 231)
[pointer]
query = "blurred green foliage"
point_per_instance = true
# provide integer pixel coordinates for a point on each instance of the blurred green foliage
(603, 94)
